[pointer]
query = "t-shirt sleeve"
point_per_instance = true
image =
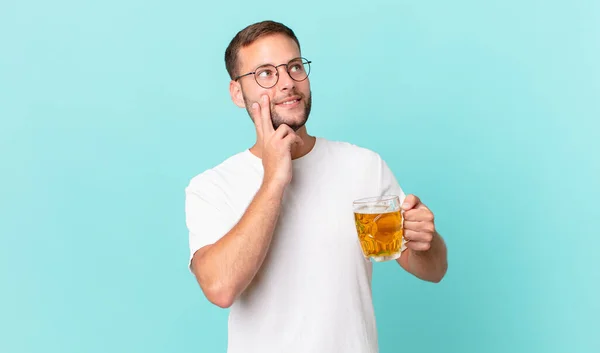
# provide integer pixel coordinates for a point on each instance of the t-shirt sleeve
(207, 215)
(389, 183)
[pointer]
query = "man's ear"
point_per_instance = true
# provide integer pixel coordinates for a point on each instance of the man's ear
(235, 90)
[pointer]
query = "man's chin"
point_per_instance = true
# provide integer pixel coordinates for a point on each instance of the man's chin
(295, 125)
(295, 122)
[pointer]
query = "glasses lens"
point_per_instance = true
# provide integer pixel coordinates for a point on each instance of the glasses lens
(299, 69)
(266, 76)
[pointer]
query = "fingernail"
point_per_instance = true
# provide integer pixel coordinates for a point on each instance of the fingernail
(254, 105)
(405, 206)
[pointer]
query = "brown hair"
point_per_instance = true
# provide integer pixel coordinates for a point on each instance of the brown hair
(250, 34)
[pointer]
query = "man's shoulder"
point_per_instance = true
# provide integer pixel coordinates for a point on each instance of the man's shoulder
(230, 167)
(342, 148)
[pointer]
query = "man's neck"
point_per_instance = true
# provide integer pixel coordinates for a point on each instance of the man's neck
(307, 146)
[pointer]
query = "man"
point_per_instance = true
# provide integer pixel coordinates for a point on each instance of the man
(271, 229)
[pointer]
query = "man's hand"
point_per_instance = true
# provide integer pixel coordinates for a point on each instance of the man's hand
(426, 253)
(419, 227)
(276, 145)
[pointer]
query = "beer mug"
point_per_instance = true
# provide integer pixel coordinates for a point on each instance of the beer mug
(379, 224)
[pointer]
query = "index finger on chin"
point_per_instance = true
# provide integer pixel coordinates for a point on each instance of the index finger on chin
(265, 113)
(257, 118)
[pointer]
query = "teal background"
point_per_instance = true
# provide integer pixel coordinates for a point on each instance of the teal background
(486, 110)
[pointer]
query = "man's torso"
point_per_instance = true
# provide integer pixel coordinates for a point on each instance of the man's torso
(313, 291)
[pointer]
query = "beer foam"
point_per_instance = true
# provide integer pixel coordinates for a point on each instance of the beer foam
(373, 209)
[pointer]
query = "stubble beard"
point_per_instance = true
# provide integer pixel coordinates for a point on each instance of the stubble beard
(278, 120)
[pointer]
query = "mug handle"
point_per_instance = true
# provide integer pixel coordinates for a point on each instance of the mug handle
(404, 240)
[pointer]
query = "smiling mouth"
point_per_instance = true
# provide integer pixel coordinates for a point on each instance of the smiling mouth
(290, 103)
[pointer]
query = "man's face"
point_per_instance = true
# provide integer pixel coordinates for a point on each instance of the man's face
(290, 100)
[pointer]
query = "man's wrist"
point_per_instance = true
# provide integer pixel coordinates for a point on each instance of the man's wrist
(273, 189)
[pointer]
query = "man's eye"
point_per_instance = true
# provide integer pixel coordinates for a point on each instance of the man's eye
(265, 73)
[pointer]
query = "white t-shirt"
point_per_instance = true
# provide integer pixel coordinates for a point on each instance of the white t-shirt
(313, 290)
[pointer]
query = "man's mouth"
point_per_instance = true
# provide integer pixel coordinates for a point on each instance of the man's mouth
(289, 102)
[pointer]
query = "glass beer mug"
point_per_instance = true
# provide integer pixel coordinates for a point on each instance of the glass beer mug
(379, 224)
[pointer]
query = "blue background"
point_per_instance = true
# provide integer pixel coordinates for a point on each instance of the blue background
(488, 110)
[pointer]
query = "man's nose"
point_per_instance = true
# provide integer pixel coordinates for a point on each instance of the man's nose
(285, 80)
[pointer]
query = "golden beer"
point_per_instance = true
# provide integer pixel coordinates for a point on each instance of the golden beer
(379, 227)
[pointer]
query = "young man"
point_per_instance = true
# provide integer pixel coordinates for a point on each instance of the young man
(271, 229)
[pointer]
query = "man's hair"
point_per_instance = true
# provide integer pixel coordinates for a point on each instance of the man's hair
(249, 35)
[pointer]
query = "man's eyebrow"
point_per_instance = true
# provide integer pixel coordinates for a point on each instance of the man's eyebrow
(269, 63)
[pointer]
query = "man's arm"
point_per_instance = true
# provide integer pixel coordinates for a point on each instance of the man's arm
(224, 269)
(426, 254)
(430, 265)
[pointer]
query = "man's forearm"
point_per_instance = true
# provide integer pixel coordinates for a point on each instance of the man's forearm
(225, 268)
(430, 265)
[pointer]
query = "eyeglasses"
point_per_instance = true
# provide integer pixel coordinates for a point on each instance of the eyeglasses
(267, 75)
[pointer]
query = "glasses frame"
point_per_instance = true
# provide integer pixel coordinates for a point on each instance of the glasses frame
(304, 61)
